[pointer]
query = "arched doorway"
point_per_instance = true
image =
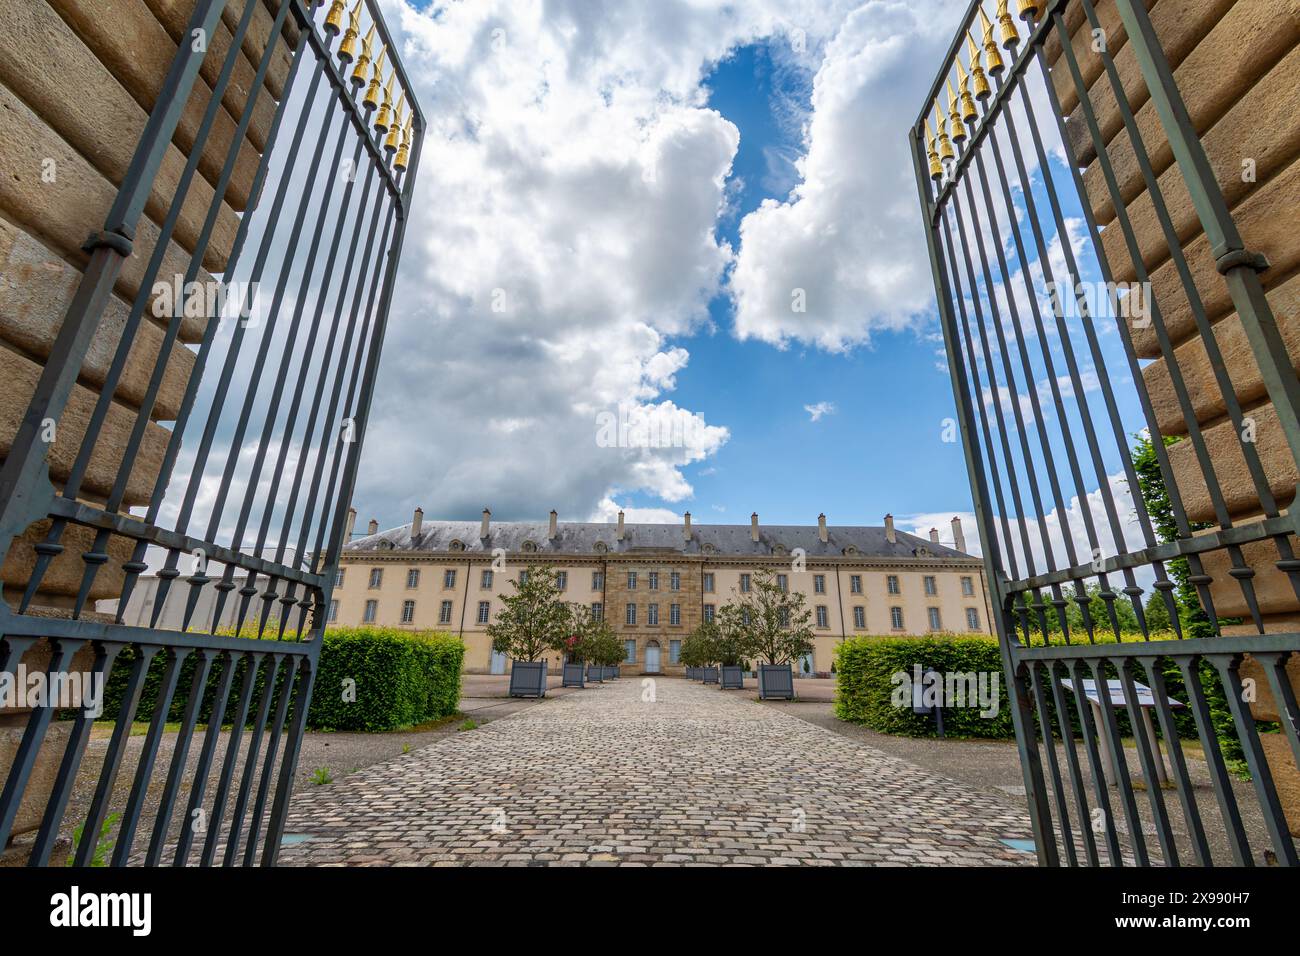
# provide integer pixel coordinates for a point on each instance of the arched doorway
(652, 657)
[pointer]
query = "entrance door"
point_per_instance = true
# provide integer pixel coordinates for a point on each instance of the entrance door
(652, 658)
(804, 668)
(498, 664)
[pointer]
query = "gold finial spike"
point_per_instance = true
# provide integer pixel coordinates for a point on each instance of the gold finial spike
(404, 151)
(1010, 36)
(363, 61)
(956, 125)
(1027, 10)
(334, 19)
(945, 145)
(991, 55)
(982, 88)
(385, 113)
(371, 100)
(395, 131)
(936, 167)
(348, 46)
(968, 111)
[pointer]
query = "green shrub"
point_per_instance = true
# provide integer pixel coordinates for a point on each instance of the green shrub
(864, 668)
(367, 679)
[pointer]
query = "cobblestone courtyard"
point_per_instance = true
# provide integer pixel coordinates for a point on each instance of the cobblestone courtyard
(696, 775)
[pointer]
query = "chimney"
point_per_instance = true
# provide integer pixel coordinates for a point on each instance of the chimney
(620, 525)
(753, 526)
(686, 528)
(347, 529)
(483, 528)
(958, 536)
(373, 527)
(934, 535)
(417, 523)
(822, 534)
(554, 531)
(890, 535)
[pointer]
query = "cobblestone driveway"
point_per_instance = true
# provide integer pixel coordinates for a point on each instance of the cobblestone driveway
(696, 775)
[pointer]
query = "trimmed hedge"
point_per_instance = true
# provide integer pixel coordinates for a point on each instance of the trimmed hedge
(401, 678)
(865, 665)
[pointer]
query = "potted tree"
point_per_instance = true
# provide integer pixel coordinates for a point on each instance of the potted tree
(699, 650)
(776, 624)
(532, 621)
(730, 642)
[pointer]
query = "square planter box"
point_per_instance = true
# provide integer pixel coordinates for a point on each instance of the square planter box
(611, 673)
(709, 675)
(595, 673)
(775, 682)
(528, 679)
(571, 676)
(733, 678)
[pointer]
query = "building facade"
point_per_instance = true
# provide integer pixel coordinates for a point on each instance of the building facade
(655, 583)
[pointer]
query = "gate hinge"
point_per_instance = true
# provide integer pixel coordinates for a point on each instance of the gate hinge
(1241, 257)
(115, 241)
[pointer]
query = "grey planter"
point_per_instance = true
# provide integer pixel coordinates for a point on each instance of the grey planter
(595, 673)
(611, 672)
(733, 678)
(572, 676)
(709, 675)
(775, 682)
(528, 678)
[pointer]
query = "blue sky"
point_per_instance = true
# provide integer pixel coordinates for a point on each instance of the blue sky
(879, 450)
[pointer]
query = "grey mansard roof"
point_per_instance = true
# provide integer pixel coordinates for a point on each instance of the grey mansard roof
(586, 538)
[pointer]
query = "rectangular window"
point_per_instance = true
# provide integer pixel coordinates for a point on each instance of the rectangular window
(484, 611)
(408, 612)
(972, 619)
(931, 586)
(376, 577)
(652, 614)
(819, 583)
(631, 614)
(629, 650)
(444, 613)
(413, 577)
(334, 611)
(562, 580)
(968, 586)
(891, 584)
(708, 582)
(896, 618)
(783, 582)
(598, 580)
(338, 578)
(371, 608)
(675, 581)
(523, 577)
(654, 580)
(935, 623)
(744, 583)
(674, 652)
(821, 616)
(449, 578)
(859, 616)
(597, 611)
(674, 614)
(631, 580)
(709, 611)
(855, 584)
(485, 580)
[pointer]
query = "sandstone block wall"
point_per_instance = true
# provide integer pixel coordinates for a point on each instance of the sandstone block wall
(78, 79)
(1237, 65)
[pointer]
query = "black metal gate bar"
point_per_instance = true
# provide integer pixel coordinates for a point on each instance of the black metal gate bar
(1039, 672)
(272, 698)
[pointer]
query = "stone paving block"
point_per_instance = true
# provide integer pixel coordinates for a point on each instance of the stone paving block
(694, 778)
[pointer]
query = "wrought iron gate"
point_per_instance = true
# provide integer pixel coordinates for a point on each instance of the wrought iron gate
(265, 447)
(1062, 500)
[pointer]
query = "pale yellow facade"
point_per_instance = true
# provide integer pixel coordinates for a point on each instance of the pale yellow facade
(849, 595)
